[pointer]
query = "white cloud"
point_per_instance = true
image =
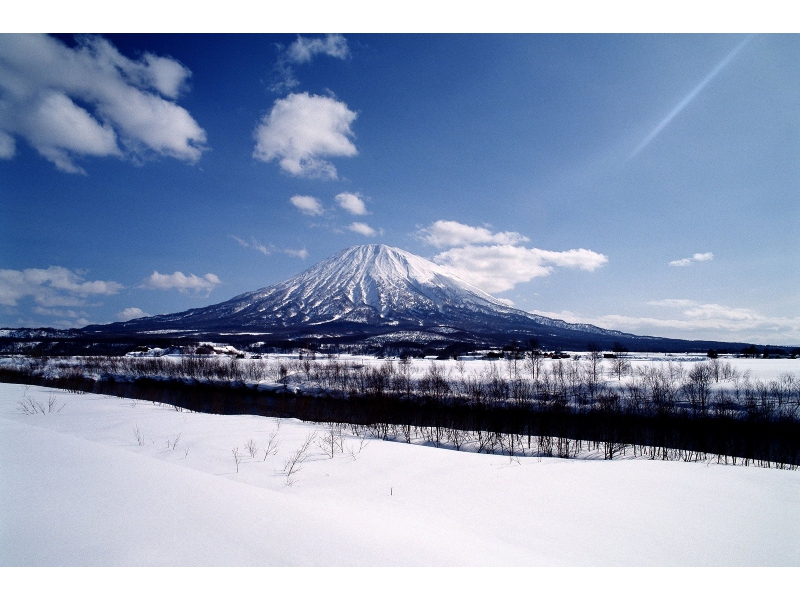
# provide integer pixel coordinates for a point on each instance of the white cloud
(300, 130)
(71, 324)
(7, 146)
(301, 253)
(255, 245)
(689, 318)
(131, 313)
(500, 268)
(267, 250)
(683, 262)
(698, 257)
(496, 262)
(64, 319)
(362, 228)
(241, 242)
(58, 128)
(304, 49)
(64, 314)
(352, 203)
(91, 100)
(444, 234)
(709, 313)
(54, 286)
(183, 283)
(308, 205)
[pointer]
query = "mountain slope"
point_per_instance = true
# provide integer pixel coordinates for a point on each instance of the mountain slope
(375, 290)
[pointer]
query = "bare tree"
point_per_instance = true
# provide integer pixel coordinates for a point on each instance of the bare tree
(621, 362)
(533, 363)
(403, 380)
(698, 387)
(138, 435)
(307, 367)
(251, 448)
(272, 443)
(435, 382)
(332, 440)
(237, 458)
(295, 461)
(52, 402)
(172, 443)
(594, 370)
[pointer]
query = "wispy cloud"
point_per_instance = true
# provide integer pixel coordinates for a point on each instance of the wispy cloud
(54, 286)
(255, 245)
(66, 319)
(90, 100)
(689, 97)
(362, 228)
(352, 203)
(182, 283)
(268, 250)
(698, 257)
(442, 234)
(303, 50)
(308, 205)
(128, 314)
(690, 318)
(8, 148)
(301, 131)
(496, 262)
(302, 253)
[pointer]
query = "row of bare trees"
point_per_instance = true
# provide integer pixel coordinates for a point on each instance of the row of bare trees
(712, 388)
(708, 388)
(516, 445)
(665, 411)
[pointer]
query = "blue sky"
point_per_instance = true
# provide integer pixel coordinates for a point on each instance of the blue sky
(647, 183)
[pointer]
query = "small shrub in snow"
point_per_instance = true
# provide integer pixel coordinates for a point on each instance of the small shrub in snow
(29, 406)
(251, 448)
(295, 462)
(172, 443)
(237, 457)
(332, 440)
(138, 435)
(272, 443)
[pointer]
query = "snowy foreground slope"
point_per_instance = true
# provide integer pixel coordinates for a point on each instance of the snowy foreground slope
(78, 488)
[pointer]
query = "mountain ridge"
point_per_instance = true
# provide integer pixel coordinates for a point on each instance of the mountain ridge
(381, 292)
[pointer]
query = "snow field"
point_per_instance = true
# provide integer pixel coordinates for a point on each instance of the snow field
(455, 370)
(79, 487)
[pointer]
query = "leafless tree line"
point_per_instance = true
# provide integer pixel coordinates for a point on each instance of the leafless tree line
(517, 445)
(532, 407)
(712, 388)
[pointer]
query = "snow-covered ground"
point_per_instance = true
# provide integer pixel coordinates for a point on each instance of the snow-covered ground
(266, 368)
(99, 480)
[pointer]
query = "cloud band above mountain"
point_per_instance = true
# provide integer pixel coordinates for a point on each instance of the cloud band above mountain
(496, 262)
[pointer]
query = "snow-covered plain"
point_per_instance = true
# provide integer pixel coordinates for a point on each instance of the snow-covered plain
(111, 481)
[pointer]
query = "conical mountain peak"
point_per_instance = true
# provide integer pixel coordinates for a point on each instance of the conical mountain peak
(361, 292)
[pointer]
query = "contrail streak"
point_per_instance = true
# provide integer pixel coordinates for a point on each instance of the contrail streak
(690, 96)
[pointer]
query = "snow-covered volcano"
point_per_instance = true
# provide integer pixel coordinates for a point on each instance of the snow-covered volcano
(365, 291)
